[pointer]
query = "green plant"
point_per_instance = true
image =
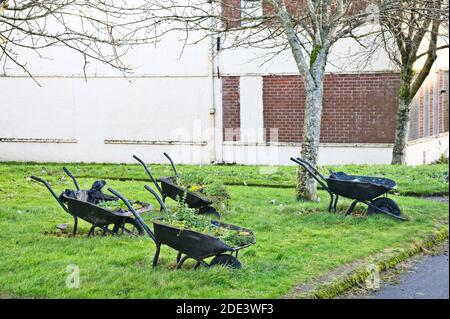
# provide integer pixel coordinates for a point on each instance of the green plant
(118, 205)
(208, 187)
(188, 218)
(443, 159)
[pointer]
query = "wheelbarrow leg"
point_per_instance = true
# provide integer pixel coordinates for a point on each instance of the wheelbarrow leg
(179, 257)
(352, 206)
(330, 206)
(198, 264)
(116, 228)
(155, 258)
(75, 225)
(91, 231)
(181, 262)
(335, 203)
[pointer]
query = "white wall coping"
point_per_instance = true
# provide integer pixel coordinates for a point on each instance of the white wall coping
(198, 75)
(107, 76)
(428, 138)
(296, 144)
(37, 140)
(148, 142)
(364, 72)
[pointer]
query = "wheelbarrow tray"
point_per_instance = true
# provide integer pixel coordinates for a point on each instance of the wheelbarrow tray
(79, 207)
(364, 189)
(174, 191)
(361, 188)
(192, 243)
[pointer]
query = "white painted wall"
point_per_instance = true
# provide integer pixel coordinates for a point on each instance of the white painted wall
(346, 56)
(427, 150)
(146, 109)
(166, 100)
(329, 154)
(252, 117)
(422, 151)
(165, 59)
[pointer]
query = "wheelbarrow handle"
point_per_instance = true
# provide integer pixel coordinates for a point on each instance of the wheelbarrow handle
(72, 177)
(149, 174)
(312, 167)
(136, 215)
(52, 192)
(172, 163)
(161, 203)
(313, 172)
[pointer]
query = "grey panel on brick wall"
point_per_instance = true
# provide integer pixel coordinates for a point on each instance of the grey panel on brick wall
(426, 111)
(414, 120)
(445, 101)
(436, 93)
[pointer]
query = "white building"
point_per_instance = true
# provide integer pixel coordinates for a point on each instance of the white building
(182, 105)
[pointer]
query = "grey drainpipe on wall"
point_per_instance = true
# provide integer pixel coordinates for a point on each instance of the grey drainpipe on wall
(212, 109)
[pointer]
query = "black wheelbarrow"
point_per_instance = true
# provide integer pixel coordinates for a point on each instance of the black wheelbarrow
(189, 244)
(83, 204)
(368, 190)
(170, 189)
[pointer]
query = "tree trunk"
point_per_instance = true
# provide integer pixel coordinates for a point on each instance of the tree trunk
(402, 124)
(307, 185)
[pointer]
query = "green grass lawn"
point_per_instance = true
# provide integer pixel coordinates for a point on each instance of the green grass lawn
(296, 241)
(417, 181)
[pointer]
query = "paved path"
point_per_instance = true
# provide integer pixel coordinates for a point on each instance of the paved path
(428, 279)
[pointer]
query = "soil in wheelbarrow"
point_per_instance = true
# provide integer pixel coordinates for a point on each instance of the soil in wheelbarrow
(187, 218)
(206, 187)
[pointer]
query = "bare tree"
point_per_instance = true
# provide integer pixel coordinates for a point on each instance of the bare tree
(306, 28)
(412, 31)
(99, 30)
(321, 25)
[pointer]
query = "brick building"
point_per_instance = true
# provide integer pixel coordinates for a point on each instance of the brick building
(213, 106)
(352, 111)
(359, 106)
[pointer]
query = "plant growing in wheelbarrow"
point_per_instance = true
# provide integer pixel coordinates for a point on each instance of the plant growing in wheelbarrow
(98, 209)
(371, 191)
(194, 236)
(209, 197)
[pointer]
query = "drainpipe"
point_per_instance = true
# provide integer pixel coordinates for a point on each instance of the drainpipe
(212, 109)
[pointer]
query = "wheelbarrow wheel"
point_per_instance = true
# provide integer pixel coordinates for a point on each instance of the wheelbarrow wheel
(129, 227)
(209, 211)
(385, 204)
(226, 261)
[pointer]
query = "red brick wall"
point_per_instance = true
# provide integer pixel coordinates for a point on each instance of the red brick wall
(430, 122)
(294, 8)
(231, 106)
(231, 13)
(357, 108)
(297, 7)
(231, 9)
(283, 98)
